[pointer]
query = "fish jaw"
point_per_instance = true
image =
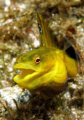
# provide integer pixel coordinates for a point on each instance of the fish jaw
(28, 75)
(25, 77)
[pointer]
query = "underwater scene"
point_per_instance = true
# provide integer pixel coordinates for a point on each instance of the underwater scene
(42, 60)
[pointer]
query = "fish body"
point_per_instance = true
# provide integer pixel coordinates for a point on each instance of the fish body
(47, 68)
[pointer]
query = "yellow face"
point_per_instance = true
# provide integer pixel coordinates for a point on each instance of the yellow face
(41, 68)
(34, 65)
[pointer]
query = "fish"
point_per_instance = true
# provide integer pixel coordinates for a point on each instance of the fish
(45, 70)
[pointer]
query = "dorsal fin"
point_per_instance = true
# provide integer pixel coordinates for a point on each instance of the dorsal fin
(45, 32)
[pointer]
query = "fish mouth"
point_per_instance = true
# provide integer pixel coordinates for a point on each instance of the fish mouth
(27, 76)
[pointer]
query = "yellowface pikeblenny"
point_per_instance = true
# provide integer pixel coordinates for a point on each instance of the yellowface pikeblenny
(46, 68)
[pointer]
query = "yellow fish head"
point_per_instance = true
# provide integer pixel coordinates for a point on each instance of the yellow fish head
(34, 65)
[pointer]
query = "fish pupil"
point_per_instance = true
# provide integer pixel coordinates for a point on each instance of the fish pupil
(37, 60)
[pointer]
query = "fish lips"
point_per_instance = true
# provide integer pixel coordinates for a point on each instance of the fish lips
(27, 75)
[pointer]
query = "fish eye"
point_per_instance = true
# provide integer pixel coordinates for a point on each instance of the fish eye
(37, 60)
